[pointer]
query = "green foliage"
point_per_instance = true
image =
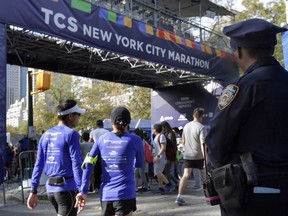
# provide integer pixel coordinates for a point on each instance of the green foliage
(140, 103)
(44, 110)
(44, 115)
(274, 12)
(95, 105)
(97, 100)
(23, 128)
(12, 130)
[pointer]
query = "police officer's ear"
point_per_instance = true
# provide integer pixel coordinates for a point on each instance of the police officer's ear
(240, 53)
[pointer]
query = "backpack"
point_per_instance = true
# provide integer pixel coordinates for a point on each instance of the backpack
(170, 151)
(148, 153)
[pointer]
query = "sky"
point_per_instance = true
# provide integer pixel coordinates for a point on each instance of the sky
(238, 5)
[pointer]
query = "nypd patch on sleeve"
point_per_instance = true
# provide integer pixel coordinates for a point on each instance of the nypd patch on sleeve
(227, 96)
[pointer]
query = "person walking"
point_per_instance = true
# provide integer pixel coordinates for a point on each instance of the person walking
(170, 170)
(60, 156)
(141, 171)
(94, 136)
(251, 116)
(8, 160)
(120, 151)
(193, 139)
(99, 131)
(85, 147)
(159, 160)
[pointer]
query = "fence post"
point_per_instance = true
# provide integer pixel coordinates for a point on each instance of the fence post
(26, 164)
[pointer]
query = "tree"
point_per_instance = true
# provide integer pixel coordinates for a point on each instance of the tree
(92, 100)
(97, 100)
(274, 12)
(44, 118)
(44, 112)
(12, 130)
(23, 128)
(140, 103)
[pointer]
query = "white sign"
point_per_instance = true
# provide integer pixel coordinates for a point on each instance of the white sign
(32, 132)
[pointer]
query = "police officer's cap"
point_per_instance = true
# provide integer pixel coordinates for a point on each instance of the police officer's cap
(253, 33)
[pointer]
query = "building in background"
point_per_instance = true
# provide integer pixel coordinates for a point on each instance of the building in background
(16, 84)
(17, 113)
(16, 95)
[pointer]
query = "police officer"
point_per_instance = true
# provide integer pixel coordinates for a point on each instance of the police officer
(252, 116)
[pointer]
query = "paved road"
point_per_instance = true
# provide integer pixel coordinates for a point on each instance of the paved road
(148, 204)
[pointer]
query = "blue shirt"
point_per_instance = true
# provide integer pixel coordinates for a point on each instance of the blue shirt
(60, 156)
(117, 161)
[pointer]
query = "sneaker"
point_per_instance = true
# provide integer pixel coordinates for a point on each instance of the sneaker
(180, 201)
(168, 188)
(143, 189)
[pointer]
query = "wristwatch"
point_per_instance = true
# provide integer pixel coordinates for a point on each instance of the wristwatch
(34, 192)
(158, 156)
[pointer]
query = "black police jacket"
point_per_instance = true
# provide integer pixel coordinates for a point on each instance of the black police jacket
(252, 115)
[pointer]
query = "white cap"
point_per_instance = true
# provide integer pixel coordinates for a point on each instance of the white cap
(75, 109)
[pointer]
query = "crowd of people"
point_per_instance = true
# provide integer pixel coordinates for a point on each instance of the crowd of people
(11, 158)
(114, 160)
(250, 116)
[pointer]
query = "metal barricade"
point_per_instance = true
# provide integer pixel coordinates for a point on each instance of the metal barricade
(26, 164)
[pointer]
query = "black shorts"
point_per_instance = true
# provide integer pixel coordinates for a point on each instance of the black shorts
(194, 164)
(118, 207)
(64, 202)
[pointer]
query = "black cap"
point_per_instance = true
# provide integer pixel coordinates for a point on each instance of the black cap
(253, 33)
(120, 115)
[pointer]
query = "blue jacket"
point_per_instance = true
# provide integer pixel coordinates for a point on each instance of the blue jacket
(59, 155)
(252, 115)
(118, 156)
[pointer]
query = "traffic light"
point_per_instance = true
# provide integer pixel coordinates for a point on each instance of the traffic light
(43, 81)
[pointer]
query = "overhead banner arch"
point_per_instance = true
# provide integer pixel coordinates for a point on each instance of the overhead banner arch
(85, 23)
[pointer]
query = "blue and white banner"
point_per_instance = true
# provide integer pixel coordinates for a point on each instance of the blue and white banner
(82, 22)
(176, 104)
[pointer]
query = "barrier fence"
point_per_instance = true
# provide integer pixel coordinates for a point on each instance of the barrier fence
(26, 164)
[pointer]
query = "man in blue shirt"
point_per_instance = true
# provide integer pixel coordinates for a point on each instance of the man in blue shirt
(120, 151)
(60, 156)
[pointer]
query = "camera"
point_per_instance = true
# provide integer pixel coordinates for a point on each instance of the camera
(211, 196)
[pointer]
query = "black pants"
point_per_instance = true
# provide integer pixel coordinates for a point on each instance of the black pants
(97, 174)
(64, 202)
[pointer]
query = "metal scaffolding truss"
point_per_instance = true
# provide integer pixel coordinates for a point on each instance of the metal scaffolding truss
(35, 50)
